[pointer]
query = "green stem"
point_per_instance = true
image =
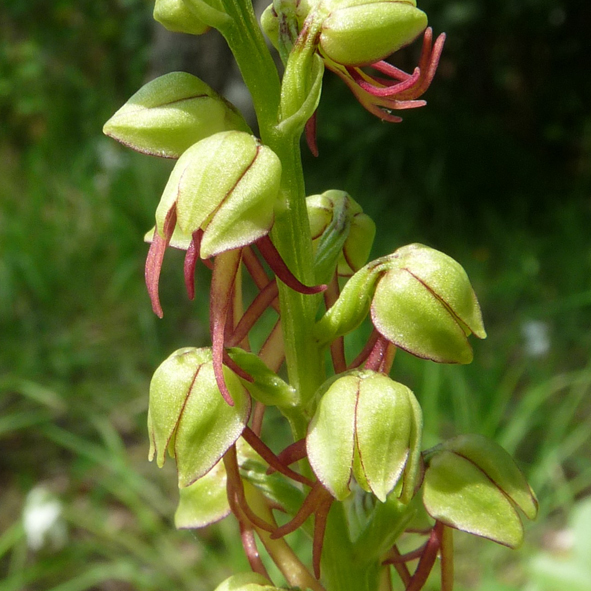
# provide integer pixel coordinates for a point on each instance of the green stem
(340, 568)
(291, 233)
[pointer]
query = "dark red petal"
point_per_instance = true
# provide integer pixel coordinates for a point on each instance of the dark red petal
(278, 266)
(427, 560)
(155, 258)
(225, 269)
(250, 549)
(265, 452)
(319, 529)
(190, 262)
(310, 133)
(308, 507)
(262, 301)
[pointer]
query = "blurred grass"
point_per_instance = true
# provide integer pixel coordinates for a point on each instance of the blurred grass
(498, 182)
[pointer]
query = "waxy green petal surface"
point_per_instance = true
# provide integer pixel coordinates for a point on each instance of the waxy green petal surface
(499, 466)
(170, 114)
(331, 436)
(169, 390)
(448, 281)
(411, 317)
(246, 213)
(383, 427)
(208, 426)
(369, 32)
(204, 502)
(459, 494)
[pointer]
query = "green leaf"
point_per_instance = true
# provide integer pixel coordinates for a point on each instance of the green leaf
(459, 494)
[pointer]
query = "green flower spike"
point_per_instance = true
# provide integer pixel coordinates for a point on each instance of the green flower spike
(364, 425)
(171, 113)
(342, 234)
(420, 299)
(473, 484)
(358, 32)
(188, 417)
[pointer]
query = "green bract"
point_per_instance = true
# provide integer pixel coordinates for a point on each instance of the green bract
(175, 16)
(226, 185)
(170, 114)
(359, 32)
(421, 301)
(363, 425)
(266, 386)
(188, 416)
(340, 231)
(473, 484)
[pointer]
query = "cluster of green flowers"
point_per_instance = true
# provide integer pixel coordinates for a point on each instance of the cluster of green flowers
(229, 201)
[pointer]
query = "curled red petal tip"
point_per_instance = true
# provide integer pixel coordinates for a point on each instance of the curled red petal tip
(278, 266)
(155, 258)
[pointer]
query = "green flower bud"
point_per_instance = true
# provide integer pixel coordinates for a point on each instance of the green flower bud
(204, 502)
(358, 32)
(270, 22)
(363, 426)
(227, 185)
(170, 114)
(425, 305)
(340, 229)
(421, 301)
(175, 16)
(474, 485)
(246, 582)
(189, 417)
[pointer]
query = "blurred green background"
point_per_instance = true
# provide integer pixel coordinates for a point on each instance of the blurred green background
(495, 171)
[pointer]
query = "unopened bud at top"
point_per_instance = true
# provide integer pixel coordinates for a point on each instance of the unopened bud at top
(170, 114)
(359, 32)
(177, 17)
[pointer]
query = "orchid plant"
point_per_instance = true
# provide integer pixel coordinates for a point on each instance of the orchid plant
(355, 478)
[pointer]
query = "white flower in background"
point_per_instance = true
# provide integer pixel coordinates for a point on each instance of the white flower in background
(536, 336)
(42, 520)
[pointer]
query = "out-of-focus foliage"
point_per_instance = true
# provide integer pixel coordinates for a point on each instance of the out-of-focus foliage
(63, 62)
